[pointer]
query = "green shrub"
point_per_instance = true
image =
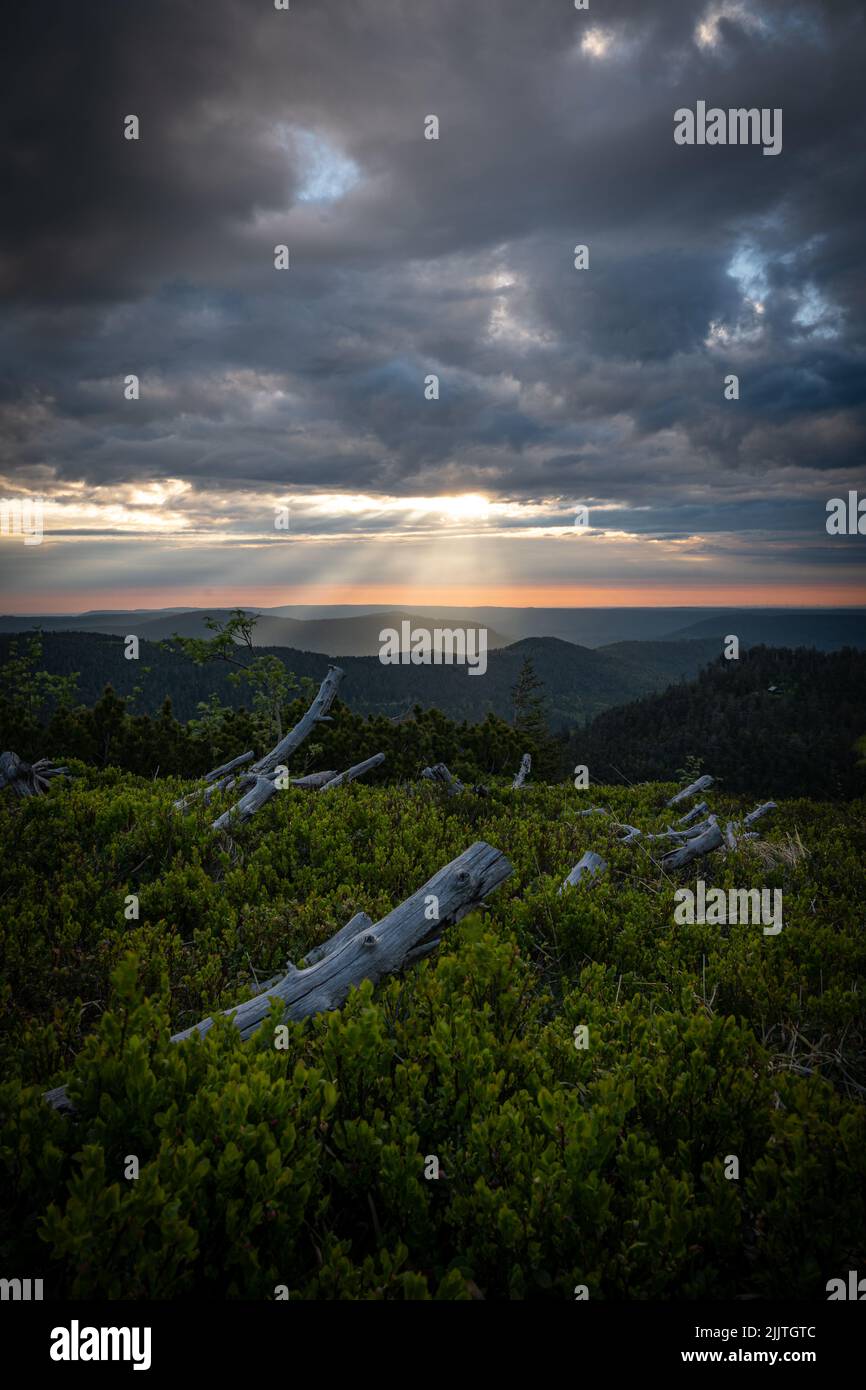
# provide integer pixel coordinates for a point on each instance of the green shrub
(305, 1166)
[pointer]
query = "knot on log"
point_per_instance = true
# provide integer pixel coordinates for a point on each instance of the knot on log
(467, 881)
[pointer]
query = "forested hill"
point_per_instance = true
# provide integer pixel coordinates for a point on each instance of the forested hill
(775, 722)
(579, 682)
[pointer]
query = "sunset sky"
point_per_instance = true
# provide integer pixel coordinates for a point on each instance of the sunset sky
(263, 389)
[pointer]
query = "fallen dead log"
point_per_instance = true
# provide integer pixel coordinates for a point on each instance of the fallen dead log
(257, 797)
(670, 834)
(316, 714)
(523, 771)
(632, 833)
(360, 922)
(699, 810)
(367, 952)
(229, 767)
(590, 864)
(439, 773)
(28, 779)
(708, 840)
(217, 780)
(731, 838)
(262, 771)
(341, 778)
(700, 786)
(313, 780)
(694, 830)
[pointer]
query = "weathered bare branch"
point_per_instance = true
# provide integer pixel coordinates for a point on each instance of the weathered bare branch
(590, 864)
(708, 840)
(316, 714)
(632, 833)
(700, 786)
(254, 800)
(360, 922)
(261, 773)
(28, 779)
(440, 773)
(313, 780)
(523, 771)
(340, 779)
(229, 767)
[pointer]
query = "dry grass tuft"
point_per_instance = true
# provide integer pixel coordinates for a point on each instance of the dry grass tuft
(788, 852)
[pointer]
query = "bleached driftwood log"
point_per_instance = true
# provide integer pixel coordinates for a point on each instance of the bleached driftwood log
(360, 922)
(699, 810)
(339, 779)
(694, 830)
(523, 771)
(225, 768)
(594, 811)
(215, 781)
(700, 786)
(709, 839)
(253, 782)
(28, 779)
(732, 838)
(368, 952)
(440, 773)
(253, 800)
(316, 714)
(313, 780)
(589, 864)
(632, 833)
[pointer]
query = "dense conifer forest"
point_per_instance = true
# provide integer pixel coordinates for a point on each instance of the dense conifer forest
(774, 723)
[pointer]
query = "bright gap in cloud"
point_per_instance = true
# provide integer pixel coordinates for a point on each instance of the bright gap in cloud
(596, 43)
(325, 174)
(707, 33)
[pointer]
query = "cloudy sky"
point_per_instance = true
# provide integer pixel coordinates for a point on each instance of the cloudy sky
(304, 388)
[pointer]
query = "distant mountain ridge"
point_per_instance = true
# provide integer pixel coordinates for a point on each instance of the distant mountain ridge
(579, 681)
(824, 631)
(348, 636)
(342, 630)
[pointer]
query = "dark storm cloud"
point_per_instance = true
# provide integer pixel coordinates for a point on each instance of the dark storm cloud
(451, 257)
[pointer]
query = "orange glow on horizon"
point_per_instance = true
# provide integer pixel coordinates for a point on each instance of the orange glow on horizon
(427, 596)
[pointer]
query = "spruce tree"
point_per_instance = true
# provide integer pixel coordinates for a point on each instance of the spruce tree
(530, 719)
